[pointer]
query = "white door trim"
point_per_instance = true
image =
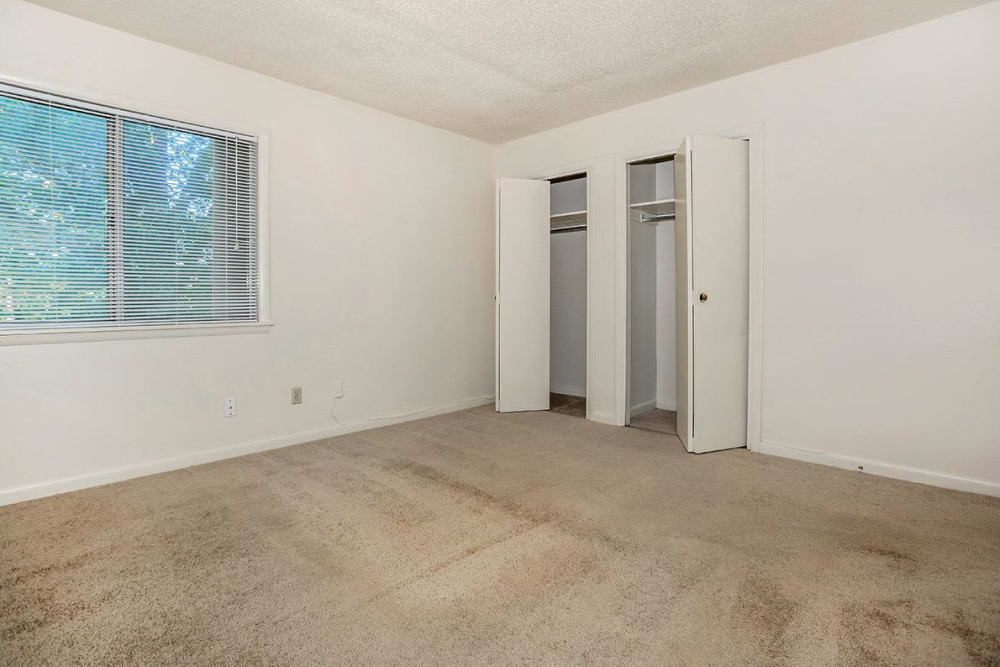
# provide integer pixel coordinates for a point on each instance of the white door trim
(588, 167)
(755, 134)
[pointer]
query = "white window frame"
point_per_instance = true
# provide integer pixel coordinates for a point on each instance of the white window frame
(154, 110)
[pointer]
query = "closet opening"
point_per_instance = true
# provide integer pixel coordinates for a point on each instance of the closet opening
(652, 286)
(568, 295)
(685, 266)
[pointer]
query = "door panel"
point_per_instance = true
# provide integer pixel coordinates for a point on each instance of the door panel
(682, 252)
(716, 224)
(522, 295)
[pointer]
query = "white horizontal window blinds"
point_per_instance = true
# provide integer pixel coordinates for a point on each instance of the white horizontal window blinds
(109, 218)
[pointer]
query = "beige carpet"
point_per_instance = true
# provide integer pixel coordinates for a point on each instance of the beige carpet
(483, 538)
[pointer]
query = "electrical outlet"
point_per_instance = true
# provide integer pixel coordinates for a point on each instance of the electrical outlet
(296, 395)
(338, 389)
(230, 407)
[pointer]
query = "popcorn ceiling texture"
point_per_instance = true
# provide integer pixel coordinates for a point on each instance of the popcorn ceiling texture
(501, 70)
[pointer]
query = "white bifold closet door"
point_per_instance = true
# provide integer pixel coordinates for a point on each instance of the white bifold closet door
(522, 295)
(711, 177)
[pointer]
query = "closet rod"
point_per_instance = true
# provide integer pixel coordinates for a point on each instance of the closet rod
(571, 228)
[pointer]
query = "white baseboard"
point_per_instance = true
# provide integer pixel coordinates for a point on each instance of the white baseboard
(942, 479)
(602, 417)
(664, 405)
(639, 408)
(43, 489)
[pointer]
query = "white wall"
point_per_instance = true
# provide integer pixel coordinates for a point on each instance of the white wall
(666, 317)
(653, 362)
(642, 307)
(568, 294)
(881, 306)
(666, 296)
(651, 181)
(381, 235)
(568, 308)
(568, 196)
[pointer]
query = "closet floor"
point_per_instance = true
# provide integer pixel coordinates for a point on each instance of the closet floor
(661, 421)
(564, 404)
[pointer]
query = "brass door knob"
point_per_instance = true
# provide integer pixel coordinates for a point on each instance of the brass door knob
(703, 297)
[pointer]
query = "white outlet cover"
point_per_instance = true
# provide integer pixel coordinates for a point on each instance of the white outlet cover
(230, 407)
(338, 389)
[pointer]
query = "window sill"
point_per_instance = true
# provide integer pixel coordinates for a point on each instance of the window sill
(91, 334)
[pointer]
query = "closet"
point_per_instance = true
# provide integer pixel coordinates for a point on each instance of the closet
(688, 293)
(683, 310)
(541, 294)
(652, 288)
(568, 295)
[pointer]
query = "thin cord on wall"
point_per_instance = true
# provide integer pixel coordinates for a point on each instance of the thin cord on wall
(369, 420)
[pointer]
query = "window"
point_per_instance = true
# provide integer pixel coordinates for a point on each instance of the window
(114, 219)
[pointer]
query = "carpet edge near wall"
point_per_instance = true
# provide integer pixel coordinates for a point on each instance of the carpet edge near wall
(45, 489)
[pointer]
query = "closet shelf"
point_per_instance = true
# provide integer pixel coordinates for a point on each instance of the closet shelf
(571, 219)
(657, 207)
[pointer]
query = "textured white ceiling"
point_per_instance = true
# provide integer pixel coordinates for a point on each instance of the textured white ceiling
(497, 69)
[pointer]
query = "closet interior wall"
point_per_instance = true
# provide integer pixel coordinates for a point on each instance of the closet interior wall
(568, 302)
(652, 266)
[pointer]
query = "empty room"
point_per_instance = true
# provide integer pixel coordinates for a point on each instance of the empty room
(456, 332)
